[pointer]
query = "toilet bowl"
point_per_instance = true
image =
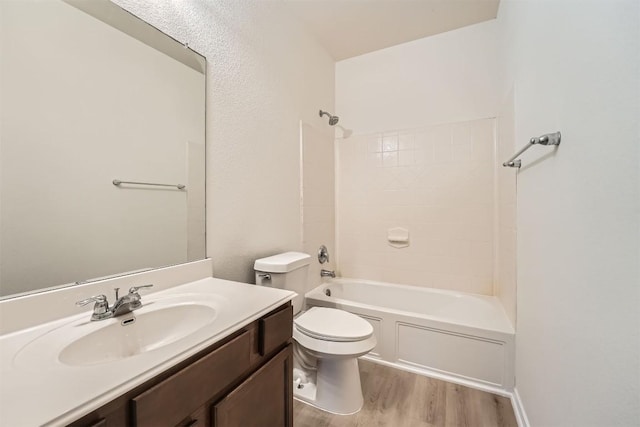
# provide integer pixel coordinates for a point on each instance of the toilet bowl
(327, 341)
(335, 338)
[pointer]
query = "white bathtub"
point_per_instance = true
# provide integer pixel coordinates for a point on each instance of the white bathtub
(465, 338)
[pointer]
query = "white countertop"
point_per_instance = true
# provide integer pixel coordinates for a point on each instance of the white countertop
(52, 393)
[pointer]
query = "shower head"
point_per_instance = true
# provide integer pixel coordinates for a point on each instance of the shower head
(333, 120)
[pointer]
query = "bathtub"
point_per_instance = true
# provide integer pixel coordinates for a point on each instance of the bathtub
(459, 337)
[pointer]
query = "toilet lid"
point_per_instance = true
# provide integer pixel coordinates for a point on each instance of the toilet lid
(330, 324)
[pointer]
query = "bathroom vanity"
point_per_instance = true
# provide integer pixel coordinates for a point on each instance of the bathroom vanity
(243, 380)
(206, 353)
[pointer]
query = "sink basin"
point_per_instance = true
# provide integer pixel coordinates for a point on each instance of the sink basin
(135, 334)
(152, 327)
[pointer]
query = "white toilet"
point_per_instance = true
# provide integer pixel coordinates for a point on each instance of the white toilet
(327, 341)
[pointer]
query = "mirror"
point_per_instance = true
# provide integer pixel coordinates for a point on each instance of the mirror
(91, 94)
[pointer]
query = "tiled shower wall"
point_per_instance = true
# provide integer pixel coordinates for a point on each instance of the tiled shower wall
(438, 183)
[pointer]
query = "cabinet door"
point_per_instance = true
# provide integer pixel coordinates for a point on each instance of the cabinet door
(265, 399)
(181, 394)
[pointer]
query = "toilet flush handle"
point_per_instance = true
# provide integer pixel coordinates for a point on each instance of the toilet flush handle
(264, 276)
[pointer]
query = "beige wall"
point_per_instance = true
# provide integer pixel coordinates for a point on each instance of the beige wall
(318, 198)
(449, 77)
(264, 75)
(578, 244)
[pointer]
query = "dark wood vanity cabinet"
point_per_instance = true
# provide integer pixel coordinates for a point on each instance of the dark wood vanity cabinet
(263, 399)
(245, 380)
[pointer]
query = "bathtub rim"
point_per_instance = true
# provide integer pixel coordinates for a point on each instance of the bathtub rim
(341, 279)
(507, 331)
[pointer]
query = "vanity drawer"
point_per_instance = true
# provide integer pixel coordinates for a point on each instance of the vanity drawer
(275, 330)
(173, 399)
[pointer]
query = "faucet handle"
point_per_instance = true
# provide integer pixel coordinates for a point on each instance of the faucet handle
(134, 298)
(135, 289)
(100, 309)
(98, 299)
(323, 254)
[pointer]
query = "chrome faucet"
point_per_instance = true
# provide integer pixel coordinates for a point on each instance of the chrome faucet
(131, 301)
(126, 304)
(327, 273)
(101, 309)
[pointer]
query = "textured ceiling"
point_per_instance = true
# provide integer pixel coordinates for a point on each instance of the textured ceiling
(348, 28)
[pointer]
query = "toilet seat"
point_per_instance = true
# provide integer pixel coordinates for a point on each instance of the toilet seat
(332, 333)
(330, 324)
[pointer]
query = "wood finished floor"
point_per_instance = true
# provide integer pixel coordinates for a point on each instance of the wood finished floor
(394, 398)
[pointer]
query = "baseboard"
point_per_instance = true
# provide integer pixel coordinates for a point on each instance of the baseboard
(444, 377)
(518, 409)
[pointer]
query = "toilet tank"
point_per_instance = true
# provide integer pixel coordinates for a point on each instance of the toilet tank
(285, 271)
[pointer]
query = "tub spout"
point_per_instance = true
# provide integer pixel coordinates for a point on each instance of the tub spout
(327, 273)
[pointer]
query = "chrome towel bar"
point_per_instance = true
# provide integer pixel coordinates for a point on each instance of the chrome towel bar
(117, 182)
(547, 139)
